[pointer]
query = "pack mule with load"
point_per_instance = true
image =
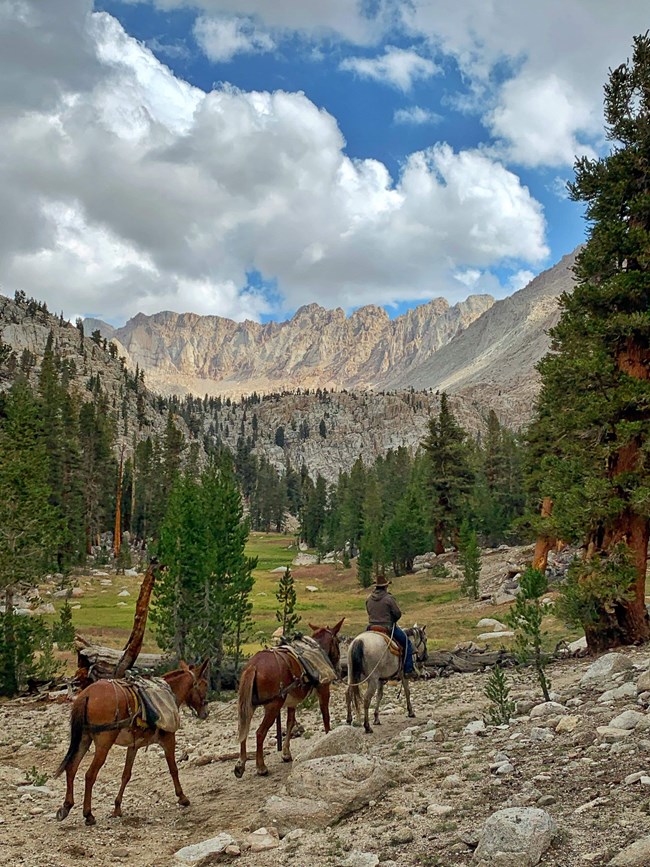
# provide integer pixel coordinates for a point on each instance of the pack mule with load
(133, 714)
(286, 675)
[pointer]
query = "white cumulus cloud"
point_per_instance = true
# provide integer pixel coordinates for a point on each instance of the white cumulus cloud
(398, 67)
(126, 189)
(416, 115)
(223, 38)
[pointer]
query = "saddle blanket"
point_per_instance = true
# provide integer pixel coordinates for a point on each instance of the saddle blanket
(316, 665)
(159, 708)
(394, 646)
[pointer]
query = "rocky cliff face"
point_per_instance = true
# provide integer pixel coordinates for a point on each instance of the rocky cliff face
(24, 328)
(317, 348)
(493, 360)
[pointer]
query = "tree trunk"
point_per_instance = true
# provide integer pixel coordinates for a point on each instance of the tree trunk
(134, 644)
(544, 543)
(629, 622)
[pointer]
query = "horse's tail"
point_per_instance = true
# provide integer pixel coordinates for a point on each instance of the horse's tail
(77, 722)
(355, 672)
(246, 708)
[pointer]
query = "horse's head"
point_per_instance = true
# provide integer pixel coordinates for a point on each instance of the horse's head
(198, 689)
(418, 638)
(327, 637)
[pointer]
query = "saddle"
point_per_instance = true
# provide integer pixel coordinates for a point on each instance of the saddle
(316, 667)
(157, 705)
(394, 646)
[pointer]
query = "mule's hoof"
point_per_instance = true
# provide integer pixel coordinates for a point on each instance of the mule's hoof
(90, 819)
(411, 715)
(368, 730)
(287, 758)
(184, 801)
(116, 814)
(376, 722)
(262, 772)
(238, 771)
(62, 813)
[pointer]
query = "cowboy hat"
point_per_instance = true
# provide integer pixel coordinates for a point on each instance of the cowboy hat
(382, 581)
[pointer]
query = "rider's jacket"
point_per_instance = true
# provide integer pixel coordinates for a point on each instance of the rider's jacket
(382, 608)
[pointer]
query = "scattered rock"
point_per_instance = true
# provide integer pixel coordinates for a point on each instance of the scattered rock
(262, 840)
(491, 623)
(522, 832)
(320, 791)
(487, 636)
(627, 690)
(629, 719)
(546, 709)
(342, 740)
(599, 674)
(202, 852)
(611, 734)
(636, 855)
(476, 727)
(567, 724)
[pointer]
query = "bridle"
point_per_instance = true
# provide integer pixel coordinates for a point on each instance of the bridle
(195, 692)
(420, 643)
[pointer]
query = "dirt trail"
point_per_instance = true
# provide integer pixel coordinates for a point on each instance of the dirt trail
(153, 826)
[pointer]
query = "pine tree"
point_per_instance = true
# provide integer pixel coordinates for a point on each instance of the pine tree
(469, 560)
(30, 527)
(590, 439)
(286, 596)
(202, 598)
(525, 617)
(449, 475)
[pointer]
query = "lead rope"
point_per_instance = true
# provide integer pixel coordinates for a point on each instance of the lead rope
(386, 649)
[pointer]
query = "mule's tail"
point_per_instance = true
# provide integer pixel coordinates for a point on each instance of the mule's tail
(77, 721)
(246, 707)
(355, 672)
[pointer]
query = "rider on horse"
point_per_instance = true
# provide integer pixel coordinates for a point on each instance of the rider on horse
(384, 611)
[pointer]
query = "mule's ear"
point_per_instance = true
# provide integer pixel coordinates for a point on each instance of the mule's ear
(335, 629)
(204, 666)
(183, 665)
(312, 627)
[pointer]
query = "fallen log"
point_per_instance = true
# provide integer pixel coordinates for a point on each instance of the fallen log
(96, 662)
(442, 663)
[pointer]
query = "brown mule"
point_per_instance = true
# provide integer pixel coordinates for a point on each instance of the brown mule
(274, 679)
(104, 714)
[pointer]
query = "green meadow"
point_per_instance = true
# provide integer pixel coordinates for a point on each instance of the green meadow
(105, 617)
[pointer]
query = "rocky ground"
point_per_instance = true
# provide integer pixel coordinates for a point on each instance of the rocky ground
(415, 792)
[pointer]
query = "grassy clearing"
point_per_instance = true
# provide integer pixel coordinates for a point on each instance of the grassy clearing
(449, 617)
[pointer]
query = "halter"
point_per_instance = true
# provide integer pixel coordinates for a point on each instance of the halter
(195, 686)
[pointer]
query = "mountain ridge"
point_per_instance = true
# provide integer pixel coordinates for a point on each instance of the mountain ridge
(317, 347)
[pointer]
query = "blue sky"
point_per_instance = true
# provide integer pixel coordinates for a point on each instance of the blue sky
(242, 157)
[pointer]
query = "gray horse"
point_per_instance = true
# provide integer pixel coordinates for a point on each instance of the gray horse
(371, 661)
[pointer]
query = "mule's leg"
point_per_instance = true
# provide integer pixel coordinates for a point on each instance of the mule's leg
(324, 704)
(348, 704)
(126, 776)
(271, 711)
(286, 748)
(240, 765)
(167, 741)
(70, 773)
(103, 743)
(407, 696)
(370, 691)
(380, 695)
